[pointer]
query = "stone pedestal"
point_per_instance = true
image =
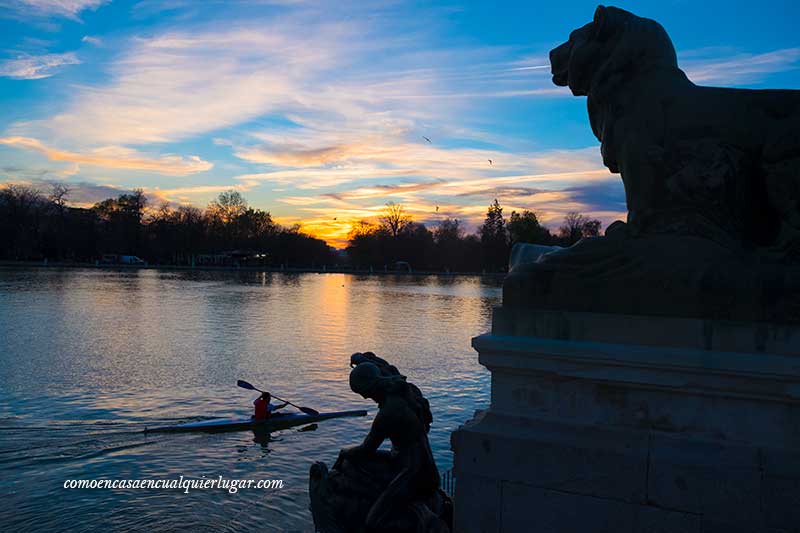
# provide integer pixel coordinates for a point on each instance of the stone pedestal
(613, 423)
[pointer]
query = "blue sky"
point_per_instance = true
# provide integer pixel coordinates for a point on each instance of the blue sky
(318, 111)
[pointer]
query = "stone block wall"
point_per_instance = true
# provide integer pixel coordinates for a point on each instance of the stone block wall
(595, 436)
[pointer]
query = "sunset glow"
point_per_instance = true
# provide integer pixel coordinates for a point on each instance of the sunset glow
(322, 112)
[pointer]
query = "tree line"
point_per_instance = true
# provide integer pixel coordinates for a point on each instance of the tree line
(37, 226)
(448, 247)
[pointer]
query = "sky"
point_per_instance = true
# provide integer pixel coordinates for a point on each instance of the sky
(322, 112)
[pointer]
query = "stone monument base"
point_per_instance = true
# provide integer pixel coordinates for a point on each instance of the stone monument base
(612, 423)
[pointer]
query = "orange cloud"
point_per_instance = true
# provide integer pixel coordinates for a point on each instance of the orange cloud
(115, 157)
(188, 195)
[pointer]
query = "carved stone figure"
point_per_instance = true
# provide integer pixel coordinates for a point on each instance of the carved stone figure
(389, 370)
(712, 184)
(368, 489)
(694, 160)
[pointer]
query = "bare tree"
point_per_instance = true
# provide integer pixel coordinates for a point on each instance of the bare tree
(228, 206)
(58, 195)
(577, 225)
(187, 214)
(394, 218)
(162, 214)
(22, 196)
(361, 229)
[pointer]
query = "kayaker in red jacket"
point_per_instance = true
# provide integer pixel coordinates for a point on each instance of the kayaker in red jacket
(264, 409)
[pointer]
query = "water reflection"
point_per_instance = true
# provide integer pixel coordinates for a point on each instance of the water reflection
(262, 437)
(90, 358)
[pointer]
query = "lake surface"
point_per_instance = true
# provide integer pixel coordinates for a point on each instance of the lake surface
(89, 358)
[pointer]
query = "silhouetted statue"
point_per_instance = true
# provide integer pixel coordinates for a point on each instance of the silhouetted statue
(700, 160)
(369, 489)
(712, 184)
(369, 357)
(387, 370)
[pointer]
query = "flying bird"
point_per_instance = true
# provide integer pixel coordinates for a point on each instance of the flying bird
(426, 139)
(437, 208)
(490, 161)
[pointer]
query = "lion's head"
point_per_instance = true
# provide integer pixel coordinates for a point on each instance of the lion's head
(614, 41)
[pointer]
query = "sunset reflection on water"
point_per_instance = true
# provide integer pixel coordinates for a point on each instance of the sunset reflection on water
(94, 356)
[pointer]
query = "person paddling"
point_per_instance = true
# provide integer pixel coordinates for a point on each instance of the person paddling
(266, 397)
(264, 409)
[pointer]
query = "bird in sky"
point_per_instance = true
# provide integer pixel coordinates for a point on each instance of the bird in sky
(490, 161)
(426, 139)
(437, 208)
(334, 218)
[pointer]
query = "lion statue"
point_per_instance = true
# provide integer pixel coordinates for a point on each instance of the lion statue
(712, 184)
(714, 162)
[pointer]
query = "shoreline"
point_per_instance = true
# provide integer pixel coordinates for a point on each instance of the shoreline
(6, 264)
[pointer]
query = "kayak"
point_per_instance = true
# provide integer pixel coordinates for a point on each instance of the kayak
(275, 422)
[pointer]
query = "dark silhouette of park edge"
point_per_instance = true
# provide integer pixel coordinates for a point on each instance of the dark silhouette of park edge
(229, 233)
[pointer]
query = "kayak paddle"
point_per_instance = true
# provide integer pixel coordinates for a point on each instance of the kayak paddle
(307, 410)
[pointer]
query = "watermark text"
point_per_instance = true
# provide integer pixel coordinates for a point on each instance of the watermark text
(183, 483)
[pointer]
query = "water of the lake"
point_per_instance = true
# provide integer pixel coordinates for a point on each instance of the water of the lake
(89, 358)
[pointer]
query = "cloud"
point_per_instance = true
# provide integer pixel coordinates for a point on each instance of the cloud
(14, 173)
(402, 190)
(180, 85)
(191, 195)
(36, 67)
(304, 66)
(57, 8)
(296, 156)
(598, 196)
(502, 191)
(86, 194)
(81, 193)
(381, 159)
(95, 41)
(115, 157)
(738, 67)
